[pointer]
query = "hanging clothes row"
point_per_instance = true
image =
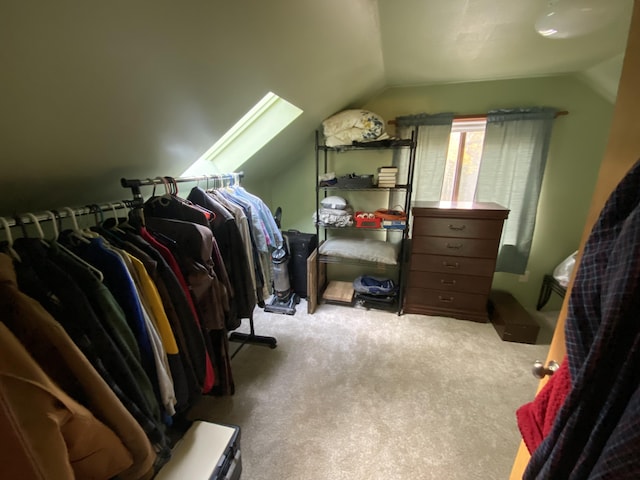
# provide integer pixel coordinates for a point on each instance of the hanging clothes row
(87, 389)
(230, 222)
(125, 323)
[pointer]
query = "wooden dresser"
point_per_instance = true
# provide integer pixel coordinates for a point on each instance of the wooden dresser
(453, 257)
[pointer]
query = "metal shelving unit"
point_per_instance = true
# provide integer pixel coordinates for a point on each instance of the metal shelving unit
(324, 157)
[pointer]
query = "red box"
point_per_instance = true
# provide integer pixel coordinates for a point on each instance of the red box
(367, 220)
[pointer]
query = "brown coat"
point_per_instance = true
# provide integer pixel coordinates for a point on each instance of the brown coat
(65, 364)
(61, 437)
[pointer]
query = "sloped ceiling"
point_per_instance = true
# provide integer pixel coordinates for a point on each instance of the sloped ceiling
(469, 40)
(95, 91)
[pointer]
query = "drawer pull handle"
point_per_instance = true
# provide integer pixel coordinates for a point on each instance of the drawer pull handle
(448, 282)
(455, 246)
(457, 227)
(451, 265)
(445, 299)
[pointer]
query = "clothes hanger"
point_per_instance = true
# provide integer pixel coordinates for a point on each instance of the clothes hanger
(76, 233)
(153, 191)
(10, 249)
(165, 182)
(54, 224)
(110, 229)
(208, 213)
(230, 186)
(39, 230)
(173, 186)
(115, 226)
(95, 208)
(165, 199)
(80, 260)
(88, 232)
(72, 216)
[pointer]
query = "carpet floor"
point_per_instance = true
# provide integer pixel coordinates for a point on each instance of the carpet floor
(363, 394)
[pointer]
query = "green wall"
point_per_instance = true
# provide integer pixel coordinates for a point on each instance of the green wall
(577, 147)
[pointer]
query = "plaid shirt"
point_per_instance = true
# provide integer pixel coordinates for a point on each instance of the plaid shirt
(596, 433)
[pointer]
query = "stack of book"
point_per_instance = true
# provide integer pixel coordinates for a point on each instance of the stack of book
(387, 177)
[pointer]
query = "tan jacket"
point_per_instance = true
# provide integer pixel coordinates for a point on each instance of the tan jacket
(61, 437)
(64, 363)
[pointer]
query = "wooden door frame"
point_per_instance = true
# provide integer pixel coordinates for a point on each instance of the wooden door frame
(622, 152)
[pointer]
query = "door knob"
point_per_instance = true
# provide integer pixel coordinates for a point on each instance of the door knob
(540, 371)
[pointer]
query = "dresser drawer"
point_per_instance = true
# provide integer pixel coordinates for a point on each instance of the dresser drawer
(457, 227)
(450, 282)
(464, 247)
(446, 301)
(458, 265)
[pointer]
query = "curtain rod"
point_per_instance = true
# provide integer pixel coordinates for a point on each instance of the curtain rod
(473, 116)
(66, 212)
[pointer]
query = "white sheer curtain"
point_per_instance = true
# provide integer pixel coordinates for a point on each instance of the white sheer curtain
(432, 136)
(514, 155)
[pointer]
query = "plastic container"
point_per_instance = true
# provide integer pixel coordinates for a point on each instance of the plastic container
(367, 220)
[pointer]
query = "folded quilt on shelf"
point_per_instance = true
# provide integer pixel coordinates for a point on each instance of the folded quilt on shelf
(332, 217)
(350, 126)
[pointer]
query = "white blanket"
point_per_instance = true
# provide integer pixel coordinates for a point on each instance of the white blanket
(350, 126)
(331, 217)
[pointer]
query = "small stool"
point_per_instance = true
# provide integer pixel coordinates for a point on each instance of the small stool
(549, 284)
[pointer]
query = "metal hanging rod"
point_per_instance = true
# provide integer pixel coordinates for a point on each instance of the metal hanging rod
(68, 212)
(131, 183)
(135, 184)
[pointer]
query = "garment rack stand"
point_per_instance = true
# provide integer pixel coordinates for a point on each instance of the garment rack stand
(138, 200)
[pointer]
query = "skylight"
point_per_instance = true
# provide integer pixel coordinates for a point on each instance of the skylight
(253, 131)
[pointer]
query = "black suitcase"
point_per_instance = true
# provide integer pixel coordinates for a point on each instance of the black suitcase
(300, 246)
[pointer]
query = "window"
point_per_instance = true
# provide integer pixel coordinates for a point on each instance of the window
(253, 131)
(463, 160)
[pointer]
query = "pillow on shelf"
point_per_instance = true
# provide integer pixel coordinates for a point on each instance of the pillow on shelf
(366, 249)
(334, 202)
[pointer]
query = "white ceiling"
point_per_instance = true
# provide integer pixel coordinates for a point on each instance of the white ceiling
(94, 91)
(443, 41)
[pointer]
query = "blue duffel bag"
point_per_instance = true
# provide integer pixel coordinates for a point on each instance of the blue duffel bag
(374, 285)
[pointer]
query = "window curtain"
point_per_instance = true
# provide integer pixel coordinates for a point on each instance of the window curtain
(432, 136)
(514, 155)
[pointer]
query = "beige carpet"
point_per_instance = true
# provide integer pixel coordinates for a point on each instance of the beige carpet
(356, 394)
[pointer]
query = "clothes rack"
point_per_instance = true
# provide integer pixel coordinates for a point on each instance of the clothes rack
(68, 212)
(212, 181)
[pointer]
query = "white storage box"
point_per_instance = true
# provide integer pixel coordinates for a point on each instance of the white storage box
(207, 451)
